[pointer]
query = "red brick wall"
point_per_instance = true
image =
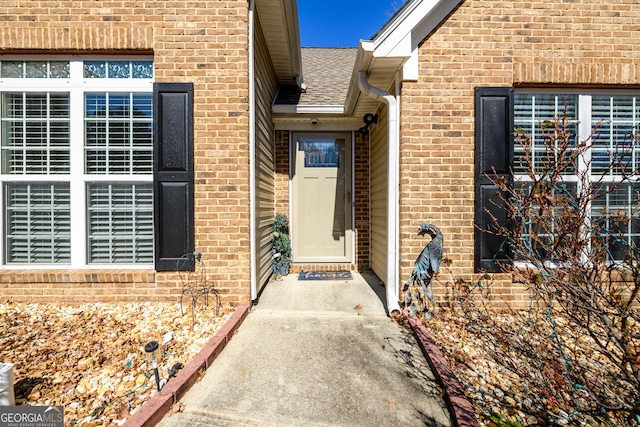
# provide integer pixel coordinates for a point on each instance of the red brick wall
(204, 42)
(361, 197)
(496, 43)
(282, 172)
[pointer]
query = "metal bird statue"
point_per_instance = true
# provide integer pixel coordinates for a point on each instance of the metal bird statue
(419, 298)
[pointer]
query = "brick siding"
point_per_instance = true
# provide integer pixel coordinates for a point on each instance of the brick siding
(204, 42)
(483, 43)
(495, 43)
(361, 198)
(282, 172)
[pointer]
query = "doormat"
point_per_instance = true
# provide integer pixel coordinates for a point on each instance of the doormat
(325, 275)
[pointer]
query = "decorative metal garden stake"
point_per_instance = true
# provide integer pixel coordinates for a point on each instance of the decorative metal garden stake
(419, 296)
(151, 349)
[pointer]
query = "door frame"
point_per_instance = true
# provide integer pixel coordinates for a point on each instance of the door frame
(293, 221)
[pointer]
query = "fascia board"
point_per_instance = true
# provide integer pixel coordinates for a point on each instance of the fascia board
(362, 63)
(365, 55)
(410, 68)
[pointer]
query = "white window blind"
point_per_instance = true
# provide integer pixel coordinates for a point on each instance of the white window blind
(38, 222)
(534, 116)
(120, 223)
(35, 133)
(118, 133)
(616, 210)
(615, 119)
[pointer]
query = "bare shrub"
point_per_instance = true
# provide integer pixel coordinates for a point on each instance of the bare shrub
(576, 346)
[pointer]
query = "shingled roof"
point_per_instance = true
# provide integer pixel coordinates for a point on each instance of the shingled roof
(327, 72)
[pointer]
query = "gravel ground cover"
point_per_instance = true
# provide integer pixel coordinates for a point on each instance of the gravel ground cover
(504, 388)
(90, 358)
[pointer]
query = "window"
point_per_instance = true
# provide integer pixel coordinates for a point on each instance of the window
(76, 162)
(612, 161)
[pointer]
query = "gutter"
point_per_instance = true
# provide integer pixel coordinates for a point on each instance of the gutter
(393, 179)
(252, 154)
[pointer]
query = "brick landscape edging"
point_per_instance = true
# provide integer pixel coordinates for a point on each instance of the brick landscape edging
(156, 408)
(459, 406)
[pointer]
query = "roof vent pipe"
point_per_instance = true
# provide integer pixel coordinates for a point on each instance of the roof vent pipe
(392, 189)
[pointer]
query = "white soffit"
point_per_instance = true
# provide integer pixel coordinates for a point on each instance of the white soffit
(317, 123)
(307, 109)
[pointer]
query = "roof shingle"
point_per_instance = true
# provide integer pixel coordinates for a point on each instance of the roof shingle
(327, 73)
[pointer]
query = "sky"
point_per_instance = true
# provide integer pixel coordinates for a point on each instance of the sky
(342, 23)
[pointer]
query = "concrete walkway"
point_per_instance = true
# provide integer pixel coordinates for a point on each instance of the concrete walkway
(317, 353)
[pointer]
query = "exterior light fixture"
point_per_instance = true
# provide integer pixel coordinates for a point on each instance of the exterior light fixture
(151, 348)
(368, 119)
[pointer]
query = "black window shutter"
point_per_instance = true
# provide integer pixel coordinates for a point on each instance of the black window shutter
(494, 158)
(173, 173)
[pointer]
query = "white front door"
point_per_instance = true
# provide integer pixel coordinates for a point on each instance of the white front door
(322, 199)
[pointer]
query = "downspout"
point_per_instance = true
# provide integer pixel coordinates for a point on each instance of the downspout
(252, 143)
(392, 188)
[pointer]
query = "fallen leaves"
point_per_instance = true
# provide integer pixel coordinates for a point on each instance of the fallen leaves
(90, 358)
(176, 407)
(501, 383)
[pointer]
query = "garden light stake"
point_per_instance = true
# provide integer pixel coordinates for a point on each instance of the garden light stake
(151, 348)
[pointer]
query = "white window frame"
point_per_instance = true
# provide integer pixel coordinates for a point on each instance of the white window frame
(76, 85)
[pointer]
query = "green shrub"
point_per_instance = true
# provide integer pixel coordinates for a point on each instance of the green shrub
(281, 245)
